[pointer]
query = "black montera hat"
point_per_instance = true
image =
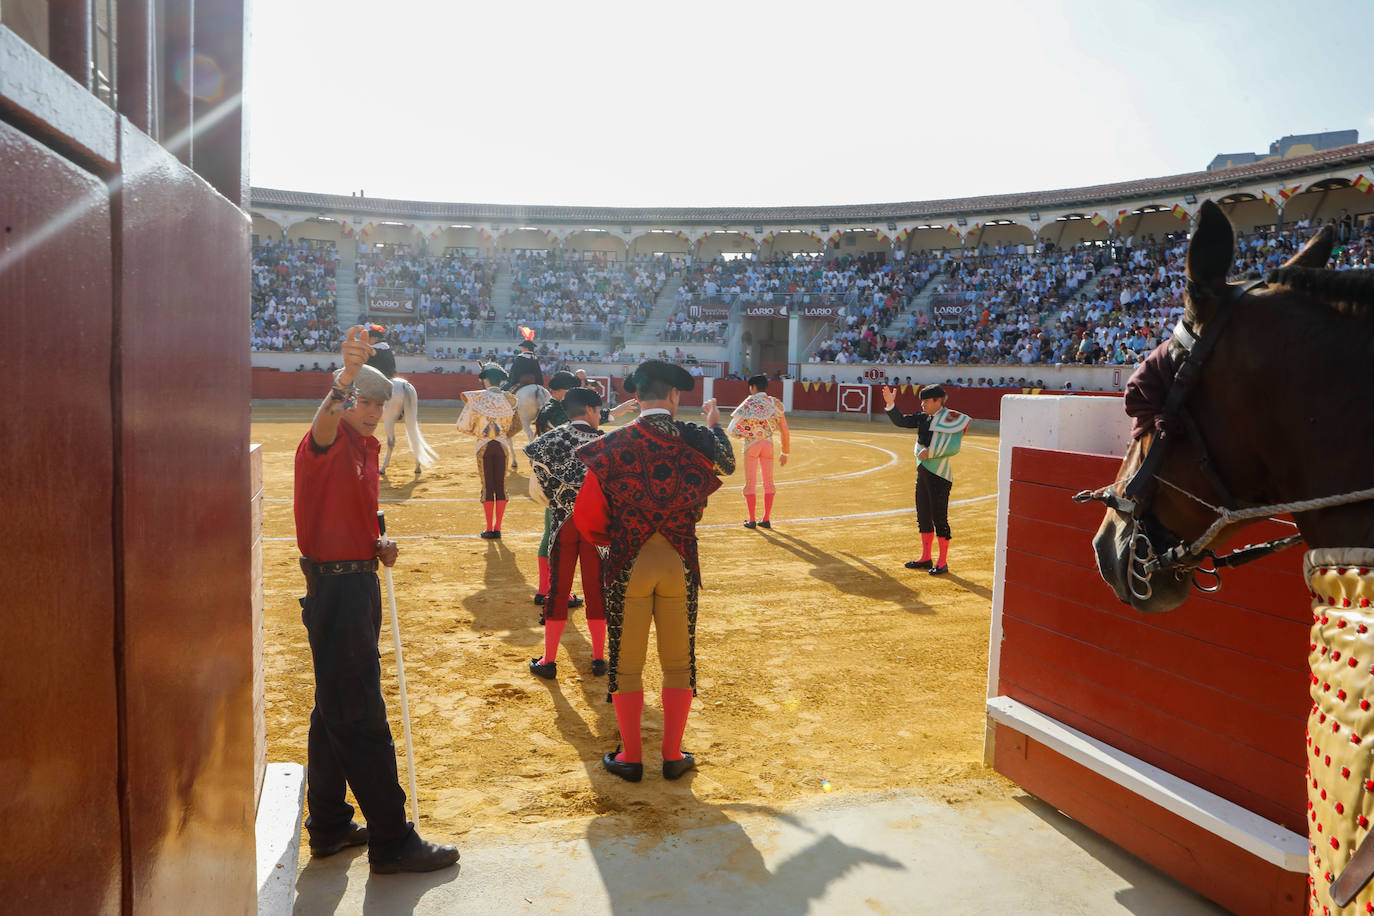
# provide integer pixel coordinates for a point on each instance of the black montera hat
(526, 345)
(656, 370)
(562, 381)
(932, 391)
(579, 399)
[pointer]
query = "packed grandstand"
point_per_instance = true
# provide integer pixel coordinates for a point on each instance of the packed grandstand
(1086, 277)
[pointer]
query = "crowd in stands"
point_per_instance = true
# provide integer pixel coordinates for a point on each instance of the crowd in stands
(294, 300)
(452, 288)
(582, 299)
(1093, 304)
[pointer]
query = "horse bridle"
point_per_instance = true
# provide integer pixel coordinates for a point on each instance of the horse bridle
(1134, 499)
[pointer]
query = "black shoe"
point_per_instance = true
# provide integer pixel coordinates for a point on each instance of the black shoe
(541, 618)
(496, 535)
(575, 601)
(598, 666)
(939, 570)
(674, 769)
(630, 772)
(750, 525)
(540, 598)
(765, 524)
(918, 564)
(426, 856)
(355, 835)
(547, 671)
(489, 535)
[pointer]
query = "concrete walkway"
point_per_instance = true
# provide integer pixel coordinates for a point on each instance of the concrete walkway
(898, 852)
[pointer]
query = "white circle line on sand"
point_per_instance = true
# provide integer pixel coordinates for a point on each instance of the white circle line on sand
(892, 459)
(787, 521)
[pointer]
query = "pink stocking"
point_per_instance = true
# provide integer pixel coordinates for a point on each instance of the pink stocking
(629, 709)
(927, 539)
(767, 506)
(598, 631)
(677, 703)
(489, 508)
(500, 512)
(553, 632)
(944, 551)
(750, 500)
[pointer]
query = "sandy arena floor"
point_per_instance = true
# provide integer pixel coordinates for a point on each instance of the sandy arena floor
(824, 666)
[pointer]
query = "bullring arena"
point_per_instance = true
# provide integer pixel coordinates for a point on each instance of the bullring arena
(1009, 737)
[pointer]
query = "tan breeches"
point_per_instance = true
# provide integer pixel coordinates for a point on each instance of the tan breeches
(657, 591)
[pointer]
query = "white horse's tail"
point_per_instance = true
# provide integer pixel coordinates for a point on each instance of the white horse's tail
(424, 455)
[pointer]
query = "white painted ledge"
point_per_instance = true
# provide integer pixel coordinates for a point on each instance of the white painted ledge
(279, 837)
(1271, 842)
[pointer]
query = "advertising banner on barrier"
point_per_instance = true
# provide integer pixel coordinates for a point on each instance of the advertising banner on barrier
(765, 311)
(821, 311)
(709, 312)
(391, 305)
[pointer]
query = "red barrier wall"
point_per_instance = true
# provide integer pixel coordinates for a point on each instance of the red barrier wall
(1214, 692)
(979, 403)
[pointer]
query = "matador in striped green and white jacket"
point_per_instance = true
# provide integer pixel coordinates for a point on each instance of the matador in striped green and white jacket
(939, 436)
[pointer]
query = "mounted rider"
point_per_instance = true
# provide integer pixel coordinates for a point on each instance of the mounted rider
(525, 368)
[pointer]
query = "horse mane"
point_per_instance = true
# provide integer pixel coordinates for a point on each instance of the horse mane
(1346, 291)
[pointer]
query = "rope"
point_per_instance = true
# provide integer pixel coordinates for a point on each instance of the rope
(1227, 516)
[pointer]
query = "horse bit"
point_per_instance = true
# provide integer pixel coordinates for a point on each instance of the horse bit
(1133, 501)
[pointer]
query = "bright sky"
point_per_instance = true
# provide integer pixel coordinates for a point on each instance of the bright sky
(794, 103)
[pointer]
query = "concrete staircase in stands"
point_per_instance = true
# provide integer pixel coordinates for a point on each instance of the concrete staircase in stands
(346, 305)
(664, 306)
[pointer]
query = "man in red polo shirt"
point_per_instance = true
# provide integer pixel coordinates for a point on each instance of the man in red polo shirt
(336, 529)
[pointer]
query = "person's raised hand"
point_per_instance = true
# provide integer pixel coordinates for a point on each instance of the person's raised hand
(710, 413)
(890, 397)
(357, 347)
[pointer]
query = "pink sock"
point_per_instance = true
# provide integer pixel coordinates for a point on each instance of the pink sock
(553, 632)
(629, 709)
(543, 575)
(927, 539)
(944, 551)
(500, 513)
(677, 703)
(488, 508)
(750, 500)
(767, 506)
(598, 631)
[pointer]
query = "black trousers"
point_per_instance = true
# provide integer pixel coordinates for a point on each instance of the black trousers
(350, 738)
(932, 503)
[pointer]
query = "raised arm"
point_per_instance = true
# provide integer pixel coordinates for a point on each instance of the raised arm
(355, 351)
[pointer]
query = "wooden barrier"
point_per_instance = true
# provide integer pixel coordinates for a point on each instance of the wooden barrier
(1206, 703)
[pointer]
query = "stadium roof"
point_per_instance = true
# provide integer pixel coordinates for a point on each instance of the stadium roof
(1194, 182)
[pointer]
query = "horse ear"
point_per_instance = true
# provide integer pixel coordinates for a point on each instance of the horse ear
(1210, 253)
(1316, 252)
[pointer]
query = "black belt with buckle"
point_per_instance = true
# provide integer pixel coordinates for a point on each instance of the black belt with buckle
(338, 567)
(313, 570)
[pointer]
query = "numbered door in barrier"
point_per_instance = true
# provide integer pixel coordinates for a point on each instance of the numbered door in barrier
(854, 399)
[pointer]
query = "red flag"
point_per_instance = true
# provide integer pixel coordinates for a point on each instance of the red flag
(1364, 184)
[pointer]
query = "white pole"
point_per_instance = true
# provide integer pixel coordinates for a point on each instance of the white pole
(401, 677)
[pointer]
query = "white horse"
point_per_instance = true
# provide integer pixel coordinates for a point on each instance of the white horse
(529, 399)
(405, 404)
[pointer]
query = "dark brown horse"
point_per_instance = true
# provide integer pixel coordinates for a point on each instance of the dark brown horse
(1279, 410)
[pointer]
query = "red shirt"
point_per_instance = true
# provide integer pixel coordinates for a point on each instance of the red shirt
(336, 496)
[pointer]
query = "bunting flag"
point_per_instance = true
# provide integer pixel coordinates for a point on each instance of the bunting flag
(768, 237)
(368, 228)
(882, 236)
(903, 235)
(1098, 221)
(346, 227)
(806, 386)
(1286, 193)
(1180, 212)
(527, 333)
(1269, 198)
(952, 230)
(1120, 215)
(833, 238)
(1362, 183)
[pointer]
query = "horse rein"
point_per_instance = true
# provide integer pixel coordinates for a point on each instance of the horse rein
(1134, 500)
